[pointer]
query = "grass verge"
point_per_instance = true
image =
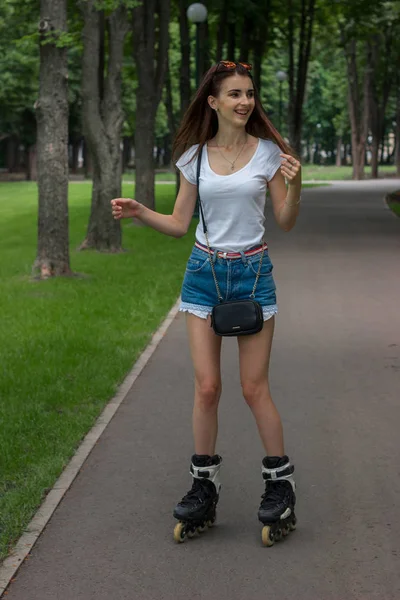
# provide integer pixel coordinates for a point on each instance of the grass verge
(393, 201)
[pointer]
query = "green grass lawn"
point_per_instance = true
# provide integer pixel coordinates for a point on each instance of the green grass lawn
(395, 206)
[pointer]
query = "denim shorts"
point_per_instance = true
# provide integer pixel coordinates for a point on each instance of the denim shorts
(236, 278)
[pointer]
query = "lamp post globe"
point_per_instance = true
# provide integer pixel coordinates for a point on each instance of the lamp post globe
(197, 13)
(281, 75)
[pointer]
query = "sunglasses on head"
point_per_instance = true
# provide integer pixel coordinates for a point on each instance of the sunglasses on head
(230, 66)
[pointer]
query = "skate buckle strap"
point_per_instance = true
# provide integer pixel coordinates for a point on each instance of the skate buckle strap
(279, 473)
(199, 472)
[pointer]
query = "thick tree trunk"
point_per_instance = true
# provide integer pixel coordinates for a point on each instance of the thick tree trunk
(52, 143)
(151, 71)
(102, 121)
(358, 111)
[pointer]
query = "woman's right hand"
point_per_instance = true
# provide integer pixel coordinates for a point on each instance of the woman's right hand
(125, 208)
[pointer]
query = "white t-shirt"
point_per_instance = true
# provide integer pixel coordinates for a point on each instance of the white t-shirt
(233, 204)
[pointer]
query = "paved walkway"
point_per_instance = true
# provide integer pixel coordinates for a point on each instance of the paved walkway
(335, 376)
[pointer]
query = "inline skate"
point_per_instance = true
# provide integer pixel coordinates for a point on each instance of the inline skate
(276, 510)
(197, 509)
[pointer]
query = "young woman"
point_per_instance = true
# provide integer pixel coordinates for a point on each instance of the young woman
(242, 155)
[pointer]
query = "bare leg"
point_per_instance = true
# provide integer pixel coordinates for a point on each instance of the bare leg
(254, 355)
(205, 348)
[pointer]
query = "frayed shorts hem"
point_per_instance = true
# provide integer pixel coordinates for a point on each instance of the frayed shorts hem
(204, 311)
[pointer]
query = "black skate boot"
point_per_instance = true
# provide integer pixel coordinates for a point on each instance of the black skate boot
(196, 510)
(276, 510)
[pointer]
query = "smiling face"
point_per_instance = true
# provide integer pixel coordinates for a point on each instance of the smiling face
(235, 101)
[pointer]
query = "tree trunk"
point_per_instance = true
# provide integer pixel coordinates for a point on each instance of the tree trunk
(231, 38)
(75, 147)
(297, 89)
(151, 71)
(102, 121)
(126, 153)
(397, 130)
(31, 170)
(339, 152)
(221, 31)
(358, 111)
(184, 87)
(245, 41)
(87, 161)
(12, 153)
(52, 143)
(380, 65)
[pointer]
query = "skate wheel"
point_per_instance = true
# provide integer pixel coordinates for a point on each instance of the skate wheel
(267, 536)
(293, 524)
(278, 535)
(191, 533)
(179, 533)
(285, 531)
(202, 528)
(211, 522)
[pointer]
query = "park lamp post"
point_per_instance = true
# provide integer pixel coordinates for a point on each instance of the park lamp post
(197, 14)
(281, 77)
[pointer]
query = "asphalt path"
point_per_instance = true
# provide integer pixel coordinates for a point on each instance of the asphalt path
(335, 375)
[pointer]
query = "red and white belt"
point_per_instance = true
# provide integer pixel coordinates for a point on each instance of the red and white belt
(220, 254)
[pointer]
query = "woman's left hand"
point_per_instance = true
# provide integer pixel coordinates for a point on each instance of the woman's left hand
(291, 169)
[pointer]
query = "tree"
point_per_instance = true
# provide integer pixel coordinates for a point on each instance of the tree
(103, 117)
(52, 142)
(150, 22)
(297, 75)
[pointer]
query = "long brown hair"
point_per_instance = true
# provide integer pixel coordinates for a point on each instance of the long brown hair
(200, 123)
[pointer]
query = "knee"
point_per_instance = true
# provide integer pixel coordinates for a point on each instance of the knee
(208, 394)
(254, 391)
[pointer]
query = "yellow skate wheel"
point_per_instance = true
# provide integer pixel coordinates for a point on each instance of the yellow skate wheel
(211, 522)
(267, 536)
(293, 524)
(179, 533)
(191, 533)
(202, 528)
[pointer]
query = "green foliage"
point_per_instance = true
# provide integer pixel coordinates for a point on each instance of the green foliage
(325, 100)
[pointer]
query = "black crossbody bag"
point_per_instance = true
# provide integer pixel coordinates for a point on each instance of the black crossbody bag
(232, 317)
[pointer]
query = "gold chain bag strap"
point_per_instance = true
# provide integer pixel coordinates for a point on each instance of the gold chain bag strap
(232, 317)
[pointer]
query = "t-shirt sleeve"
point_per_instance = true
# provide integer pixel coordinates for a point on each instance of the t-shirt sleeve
(188, 169)
(274, 160)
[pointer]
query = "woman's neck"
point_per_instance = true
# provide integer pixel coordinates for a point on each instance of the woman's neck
(230, 138)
